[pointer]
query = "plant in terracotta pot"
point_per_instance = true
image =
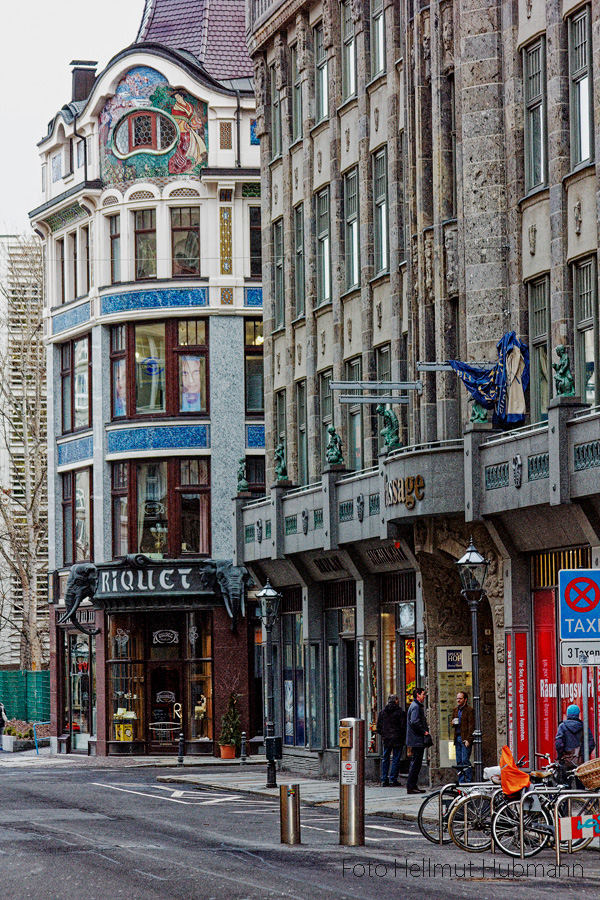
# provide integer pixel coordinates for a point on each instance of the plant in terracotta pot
(231, 728)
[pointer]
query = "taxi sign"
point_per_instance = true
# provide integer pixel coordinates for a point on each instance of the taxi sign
(579, 614)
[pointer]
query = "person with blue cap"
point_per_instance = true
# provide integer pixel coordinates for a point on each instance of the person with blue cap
(569, 739)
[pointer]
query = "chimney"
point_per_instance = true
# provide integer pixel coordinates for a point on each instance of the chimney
(84, 76)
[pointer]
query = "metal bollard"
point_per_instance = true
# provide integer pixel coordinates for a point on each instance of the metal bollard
(181, 749)
(352, 782)
(243, 755)
(289, 801)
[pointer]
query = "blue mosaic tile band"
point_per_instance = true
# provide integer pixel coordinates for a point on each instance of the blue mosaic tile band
(70, 318)
(253, 297)
(254, 139)
(159, 299)
(159, 437)
(255, 437)
(75, 451)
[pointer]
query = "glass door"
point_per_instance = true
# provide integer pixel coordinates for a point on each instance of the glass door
(81, 709)
(165, 719)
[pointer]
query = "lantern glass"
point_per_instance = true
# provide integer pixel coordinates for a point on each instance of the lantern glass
(269, 600)
(472, 568)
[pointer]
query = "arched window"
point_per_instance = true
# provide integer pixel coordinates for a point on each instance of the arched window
(145, 131)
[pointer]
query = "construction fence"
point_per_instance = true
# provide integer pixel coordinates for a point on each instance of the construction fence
(26, 695)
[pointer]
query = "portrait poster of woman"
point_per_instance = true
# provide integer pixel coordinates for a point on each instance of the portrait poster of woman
(192, 383)
(119, 388)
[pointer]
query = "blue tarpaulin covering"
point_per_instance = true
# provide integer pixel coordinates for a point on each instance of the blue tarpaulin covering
(500, 387)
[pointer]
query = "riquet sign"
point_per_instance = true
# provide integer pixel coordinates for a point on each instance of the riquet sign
(404, 490)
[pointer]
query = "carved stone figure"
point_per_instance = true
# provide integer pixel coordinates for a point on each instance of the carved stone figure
(81, 585)
(357, 9)
(280, 61)
(333, 451)
(577, 216)
(391, 430)
(426, 40)
(323, 341)
(327, 27)
(447, 35)
(376, 118)
(280, 463)
(451, 246)
(379, 314)
(532, 238)
(301, 41)
(231, 582)
(349, 328)
(299, 353)
(563, 379)
(260, 92)
(242, 485)
(360, 507)
(478, 413)
(517, 467)
(296, 178)
(429, 291)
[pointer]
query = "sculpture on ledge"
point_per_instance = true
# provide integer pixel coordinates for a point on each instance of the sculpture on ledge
(391, 430)
(478, 413)
(333, 451)
(280, 463)
(563, 379)
(242, 485)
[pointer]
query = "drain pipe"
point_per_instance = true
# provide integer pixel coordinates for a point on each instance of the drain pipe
(81, 137)
(237, 116)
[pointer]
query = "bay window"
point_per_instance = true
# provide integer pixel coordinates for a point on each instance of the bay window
(580, 72)
(253, 360)
(114, 230)
(185, 241)
(75, 374)
(534, 76)
(77, 516)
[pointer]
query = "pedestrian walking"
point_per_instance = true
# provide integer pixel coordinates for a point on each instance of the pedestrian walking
(391, 725)
(569, 739)
(417, 738)
(463, 720)
(3, 722)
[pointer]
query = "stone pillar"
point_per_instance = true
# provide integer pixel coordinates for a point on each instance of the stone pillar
(475, 434)
(560, 410)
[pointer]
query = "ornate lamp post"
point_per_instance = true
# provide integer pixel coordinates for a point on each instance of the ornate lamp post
(269, 600)
(472, 568)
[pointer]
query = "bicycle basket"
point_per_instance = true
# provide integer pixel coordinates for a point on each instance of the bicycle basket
(589, 774)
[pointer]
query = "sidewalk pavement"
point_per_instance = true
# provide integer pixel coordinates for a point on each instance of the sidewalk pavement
(380, 801)
(46, 758)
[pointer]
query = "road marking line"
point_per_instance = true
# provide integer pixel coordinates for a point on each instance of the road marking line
(395, 830)
(140, 794)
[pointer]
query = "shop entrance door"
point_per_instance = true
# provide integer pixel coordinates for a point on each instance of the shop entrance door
(165, 714)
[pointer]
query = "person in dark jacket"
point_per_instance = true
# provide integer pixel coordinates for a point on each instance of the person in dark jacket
(569, 739)
(463, 720)
(416, 729)
(391, 725)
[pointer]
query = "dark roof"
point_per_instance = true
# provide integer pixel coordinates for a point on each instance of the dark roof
(214, 31)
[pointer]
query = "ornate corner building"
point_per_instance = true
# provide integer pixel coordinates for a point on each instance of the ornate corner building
(151, 220)
(428, 185)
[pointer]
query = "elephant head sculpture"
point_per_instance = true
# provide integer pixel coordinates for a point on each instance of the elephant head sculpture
(81, 585)
(232, 582)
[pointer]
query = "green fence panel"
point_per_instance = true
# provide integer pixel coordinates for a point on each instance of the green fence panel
(26, 695)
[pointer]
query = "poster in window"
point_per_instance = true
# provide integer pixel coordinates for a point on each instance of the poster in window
(193, 393)
(119, 388)
(288, 711)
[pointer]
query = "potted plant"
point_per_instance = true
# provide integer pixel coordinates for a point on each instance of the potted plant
(231, 729)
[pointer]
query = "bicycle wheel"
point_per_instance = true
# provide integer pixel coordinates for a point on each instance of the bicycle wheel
(470, 822)
(579, 807)
(428, 816)
(537, 829)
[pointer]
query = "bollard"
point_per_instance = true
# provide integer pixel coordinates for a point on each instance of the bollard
(289, 801)
(243, 755)
(352, 782)
(181, 749)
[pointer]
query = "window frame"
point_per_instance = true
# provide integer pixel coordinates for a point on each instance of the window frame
(354, 415)
(348, 52)
(323, 241)
(296, 82)
(325, 410)
(255, 228)
(128, 121)
(278, 274)
(577, 74)
(173, 351)
(586, 323)
(254, 350)
(137, 234)
(114, 238)
(381, 246)
(539, 341)
(180, 229)
(321, 75)
(351, 229)
(383, 371)
(534, 103)
(299, 274)
(377, 27)
(67, 371)
(69, 510)
(302, 431)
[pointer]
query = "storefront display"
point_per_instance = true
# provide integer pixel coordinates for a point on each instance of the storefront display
(454, 674)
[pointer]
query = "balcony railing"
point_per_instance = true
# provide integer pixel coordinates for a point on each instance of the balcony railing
(257, 9)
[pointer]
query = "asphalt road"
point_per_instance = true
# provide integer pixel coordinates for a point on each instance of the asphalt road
(93, 833)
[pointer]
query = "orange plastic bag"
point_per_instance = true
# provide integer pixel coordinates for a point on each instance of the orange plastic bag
(511, 777)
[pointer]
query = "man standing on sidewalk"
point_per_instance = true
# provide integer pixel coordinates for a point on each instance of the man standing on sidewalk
(463, 719)
(391, 725)
(416, 730)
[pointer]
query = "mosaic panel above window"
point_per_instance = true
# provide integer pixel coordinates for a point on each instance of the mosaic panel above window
(253, 297)
(254, 139)
(159, 299)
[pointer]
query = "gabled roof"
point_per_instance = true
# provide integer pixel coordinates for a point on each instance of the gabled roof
(214, 31)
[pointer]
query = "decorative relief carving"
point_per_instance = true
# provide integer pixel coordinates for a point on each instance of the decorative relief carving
(360, 507)
(357, 10)
(376, 118)
(414, 267)
(532, 232)
(429, 289)
(280, 61)
(304, 521)
(299, 353)
(517, 467)
(301, 41)
(426, 44)
(349, 328)
(323, 341)
(296, 178)
(528, 8)
(319, 161)
(577, 216)
(260, 92)
(379, 314)
(451, 247)
(447, 37)
(327, 24)
(347, 140)
(278, 363)
(276, 194)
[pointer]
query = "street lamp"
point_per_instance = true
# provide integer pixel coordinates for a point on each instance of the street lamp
(472, 568)
(269, 600)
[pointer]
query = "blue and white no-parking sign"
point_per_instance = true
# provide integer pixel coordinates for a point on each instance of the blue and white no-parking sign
(579, 604)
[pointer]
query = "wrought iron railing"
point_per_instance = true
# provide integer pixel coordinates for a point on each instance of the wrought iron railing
(587, 455)
(346, 510)
(538, 466)
(496, 476)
